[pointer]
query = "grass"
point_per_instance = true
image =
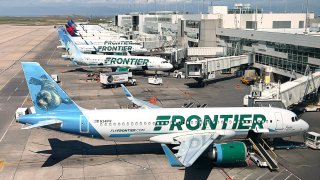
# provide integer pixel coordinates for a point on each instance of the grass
(49, 20)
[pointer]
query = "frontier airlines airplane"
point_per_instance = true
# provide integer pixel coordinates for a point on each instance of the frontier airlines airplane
(193, 131)
(114, 61)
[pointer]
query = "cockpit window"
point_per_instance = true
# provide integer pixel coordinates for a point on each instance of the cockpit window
(295, 118)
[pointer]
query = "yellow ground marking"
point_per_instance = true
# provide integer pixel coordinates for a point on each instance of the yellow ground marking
(1, 165)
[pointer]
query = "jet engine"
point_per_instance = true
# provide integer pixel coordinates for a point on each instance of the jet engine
(228, 153)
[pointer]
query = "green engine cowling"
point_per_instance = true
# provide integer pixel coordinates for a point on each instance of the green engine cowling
(228, 153)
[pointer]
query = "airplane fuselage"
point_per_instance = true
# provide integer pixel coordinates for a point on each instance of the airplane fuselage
(110, 48)
(143, 124)
(132, 62)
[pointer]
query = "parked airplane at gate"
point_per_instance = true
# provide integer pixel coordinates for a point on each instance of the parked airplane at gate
(115, 61)
(194, 131)
(102, 46)
(72, 29)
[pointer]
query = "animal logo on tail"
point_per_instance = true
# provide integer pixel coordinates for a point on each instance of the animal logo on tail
(48, 97)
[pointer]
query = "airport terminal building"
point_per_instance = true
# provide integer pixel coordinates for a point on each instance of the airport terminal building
(279, 41)
(284, 52)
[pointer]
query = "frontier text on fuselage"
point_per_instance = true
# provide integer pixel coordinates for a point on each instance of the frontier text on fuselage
(127, 61)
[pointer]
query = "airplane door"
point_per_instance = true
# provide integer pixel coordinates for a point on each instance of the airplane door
(279, 121)
(84, 124)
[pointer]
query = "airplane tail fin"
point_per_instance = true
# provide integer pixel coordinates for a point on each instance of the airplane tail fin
(70, 30)
(73, 49)
(45, 93)
(72, 24)
(62, 38)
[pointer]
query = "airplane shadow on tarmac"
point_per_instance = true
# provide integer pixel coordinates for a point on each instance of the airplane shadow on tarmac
(77, 70)
(61, 150)
(203, 84)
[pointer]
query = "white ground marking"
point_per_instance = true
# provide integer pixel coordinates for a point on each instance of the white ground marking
(13, 120)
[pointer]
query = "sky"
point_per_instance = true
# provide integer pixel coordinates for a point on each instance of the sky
(113, 7)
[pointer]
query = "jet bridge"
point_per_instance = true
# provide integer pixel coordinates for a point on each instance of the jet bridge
(202, 70)
(289, 93)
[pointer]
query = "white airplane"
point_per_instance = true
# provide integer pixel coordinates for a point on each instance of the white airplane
(192, 131)
(101, 46)
(115, 61)
(111, 48)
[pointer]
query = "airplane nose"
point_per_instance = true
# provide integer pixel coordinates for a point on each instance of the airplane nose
(304, 125)
(170, 66)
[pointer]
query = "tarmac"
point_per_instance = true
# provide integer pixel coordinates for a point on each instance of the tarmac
(46, 154)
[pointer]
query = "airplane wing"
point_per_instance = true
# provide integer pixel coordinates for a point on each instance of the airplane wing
(136, 101)
(190, 147)
(44, 123)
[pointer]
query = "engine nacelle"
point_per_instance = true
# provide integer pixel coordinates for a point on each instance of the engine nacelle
(228, 153)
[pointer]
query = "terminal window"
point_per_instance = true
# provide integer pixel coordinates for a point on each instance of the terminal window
(301, 24)
(281, 24)
(251, 24)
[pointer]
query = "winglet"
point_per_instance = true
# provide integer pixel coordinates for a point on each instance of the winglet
(126, 91)
(174, 162)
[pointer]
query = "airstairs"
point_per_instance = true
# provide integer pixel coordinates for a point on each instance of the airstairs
(257, 144)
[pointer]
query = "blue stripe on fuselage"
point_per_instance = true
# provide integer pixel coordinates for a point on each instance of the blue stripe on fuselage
(71, 122)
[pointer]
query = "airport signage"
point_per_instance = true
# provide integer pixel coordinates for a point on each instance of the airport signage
(195, 122)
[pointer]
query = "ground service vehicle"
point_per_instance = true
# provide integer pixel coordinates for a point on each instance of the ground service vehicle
(21, 111)
(114, 79)
(179, 74)
(312, 140)
(249, 77)
(155, 80)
